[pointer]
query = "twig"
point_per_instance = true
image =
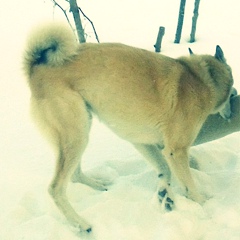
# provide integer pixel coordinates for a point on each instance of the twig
(64, 12)
(90, 23)
(158, 43)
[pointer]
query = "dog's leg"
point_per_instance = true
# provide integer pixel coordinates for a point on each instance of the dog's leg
(153, 154)
(79, 177)
(179, 165)
(66, 121)
(66, 164)
(178, 137)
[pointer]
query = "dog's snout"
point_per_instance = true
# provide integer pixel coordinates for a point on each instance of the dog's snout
(233, 92)
(226, 112)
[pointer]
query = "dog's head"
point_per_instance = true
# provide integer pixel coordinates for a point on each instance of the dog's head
(221, 80)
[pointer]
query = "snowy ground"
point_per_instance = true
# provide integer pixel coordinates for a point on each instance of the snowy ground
(128, 211)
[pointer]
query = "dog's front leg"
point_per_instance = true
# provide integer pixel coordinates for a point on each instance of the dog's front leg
(178, 162)
(153, 154)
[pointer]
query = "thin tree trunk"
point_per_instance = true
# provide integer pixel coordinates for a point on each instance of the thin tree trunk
(75, 11)
(194, 21)
(180, 21)
(158, 43)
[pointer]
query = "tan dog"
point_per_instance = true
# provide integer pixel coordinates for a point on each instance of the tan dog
(155, 102)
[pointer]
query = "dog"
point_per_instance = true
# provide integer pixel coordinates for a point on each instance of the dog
(155, 102)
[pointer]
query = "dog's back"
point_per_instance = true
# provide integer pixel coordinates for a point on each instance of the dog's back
(123, 85)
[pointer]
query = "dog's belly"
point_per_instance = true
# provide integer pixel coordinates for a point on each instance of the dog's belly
(136, 134)
(133, 126)
(137, 118)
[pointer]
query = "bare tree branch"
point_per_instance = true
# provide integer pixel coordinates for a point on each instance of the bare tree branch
(72, 4)
(90, 23)
(64, 12)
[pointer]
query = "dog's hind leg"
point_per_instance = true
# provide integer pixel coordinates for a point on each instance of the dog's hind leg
(79, 177)
(66, 120)
(153, 154)
(57, 189)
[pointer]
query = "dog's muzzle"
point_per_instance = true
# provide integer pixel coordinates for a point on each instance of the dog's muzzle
(226, 111)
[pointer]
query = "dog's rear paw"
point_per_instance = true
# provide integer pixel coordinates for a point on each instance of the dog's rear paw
(95, 184)
(84, 229)
(79, 225)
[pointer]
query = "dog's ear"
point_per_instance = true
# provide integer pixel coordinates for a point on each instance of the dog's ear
(219, 54)
(190, 51)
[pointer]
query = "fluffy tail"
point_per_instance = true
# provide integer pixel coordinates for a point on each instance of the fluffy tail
(50, 44)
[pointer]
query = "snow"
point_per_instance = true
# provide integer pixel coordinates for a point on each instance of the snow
(129, 209)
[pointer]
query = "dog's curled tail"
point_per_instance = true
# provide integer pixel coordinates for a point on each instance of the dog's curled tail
(51, 44)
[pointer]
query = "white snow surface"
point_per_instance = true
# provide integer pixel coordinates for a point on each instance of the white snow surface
(129, 209)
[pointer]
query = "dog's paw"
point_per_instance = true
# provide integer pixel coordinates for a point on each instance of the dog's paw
(166, 199)
(79, 226)
(97, 184)
(93, 183)
(84, 229)
(197, 197)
